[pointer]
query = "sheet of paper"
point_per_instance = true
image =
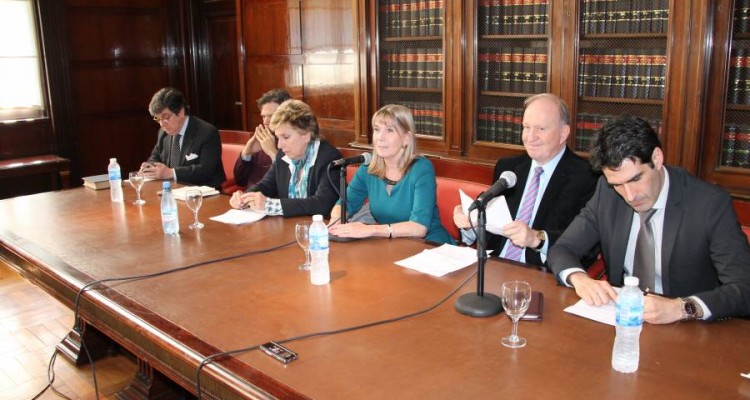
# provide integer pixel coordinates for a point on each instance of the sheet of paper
(498, 213)
(238, 217)
(604, 314)
(441, 260)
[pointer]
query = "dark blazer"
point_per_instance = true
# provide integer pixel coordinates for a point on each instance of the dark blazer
(568, 190)
(321, 195)
(704, 251)
(201, 139)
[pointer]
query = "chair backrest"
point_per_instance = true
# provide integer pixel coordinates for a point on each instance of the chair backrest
(232, 143)
(448, 199)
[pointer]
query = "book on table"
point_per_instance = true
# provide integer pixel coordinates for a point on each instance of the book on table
(96, 182)
(179, 193)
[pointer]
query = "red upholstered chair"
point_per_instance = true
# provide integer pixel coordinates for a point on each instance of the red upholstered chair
(232, 143)
(598, 270)
(229, 154)
(746, 229)
(448, 199)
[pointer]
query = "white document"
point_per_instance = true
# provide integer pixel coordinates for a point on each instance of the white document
(604, 314)
(238, 217)
(498, 213)
(440, 260)
(179, 193)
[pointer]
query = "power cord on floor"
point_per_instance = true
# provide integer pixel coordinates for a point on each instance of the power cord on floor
(76, 305)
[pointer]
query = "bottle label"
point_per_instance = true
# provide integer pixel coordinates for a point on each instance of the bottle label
(629, 315)
(319, 242)
(114, 175)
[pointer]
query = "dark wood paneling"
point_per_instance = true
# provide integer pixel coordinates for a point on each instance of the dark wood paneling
(216, 59)
(271, 27)
(121, 52)
(25, 138)
(113, 33)
(306, 47)
(263, 73)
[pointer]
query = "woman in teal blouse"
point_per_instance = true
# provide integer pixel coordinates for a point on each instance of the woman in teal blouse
(398, 184)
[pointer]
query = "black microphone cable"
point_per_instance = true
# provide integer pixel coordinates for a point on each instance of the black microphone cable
(212, 357)
(76, 321)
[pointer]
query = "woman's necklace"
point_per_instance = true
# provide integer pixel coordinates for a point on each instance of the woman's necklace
(389, 182)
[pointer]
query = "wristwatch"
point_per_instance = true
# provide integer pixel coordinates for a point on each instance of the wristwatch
(542, 236)
(390, 231)
(691, 309)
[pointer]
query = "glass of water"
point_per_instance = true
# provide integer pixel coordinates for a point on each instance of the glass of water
(136, 181)
(194, 200)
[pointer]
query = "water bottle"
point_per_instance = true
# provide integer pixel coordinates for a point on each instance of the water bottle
(628, 325)
(319, 271)
(170, 221)
(115, 181)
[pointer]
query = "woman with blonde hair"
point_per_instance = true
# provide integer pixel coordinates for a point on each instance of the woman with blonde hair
(296, 184)
(398, 184)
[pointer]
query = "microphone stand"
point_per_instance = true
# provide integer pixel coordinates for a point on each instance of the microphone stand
(480, 304)
(342, 193)
(342, 196)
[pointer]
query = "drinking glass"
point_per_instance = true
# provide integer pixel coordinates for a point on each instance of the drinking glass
(302, 231)
(136, 181)
(194, 200)
(516, 298)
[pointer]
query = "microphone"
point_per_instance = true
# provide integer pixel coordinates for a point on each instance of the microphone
(506, 181)
(364, 158)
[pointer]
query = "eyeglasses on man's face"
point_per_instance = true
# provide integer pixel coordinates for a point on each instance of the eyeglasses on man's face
(163, 117)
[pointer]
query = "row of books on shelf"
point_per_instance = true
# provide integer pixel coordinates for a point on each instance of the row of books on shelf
(739, 77)
(623, 73)
(513, 17)
(413, 68)
(500, 125)
(411, 18)
(625, 16)
(518, 69)
(428, 117)
(735, 146)
(741, 16)
(588, 126)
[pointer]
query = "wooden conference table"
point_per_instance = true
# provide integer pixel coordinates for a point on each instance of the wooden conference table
(63, 240)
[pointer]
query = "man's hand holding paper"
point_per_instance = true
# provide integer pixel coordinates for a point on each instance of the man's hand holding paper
(498, 214)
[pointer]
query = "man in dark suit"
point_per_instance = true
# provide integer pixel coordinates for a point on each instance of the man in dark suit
(679, 235)
(553, 185)
(188, 149)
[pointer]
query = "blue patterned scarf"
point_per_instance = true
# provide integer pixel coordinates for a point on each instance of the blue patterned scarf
(298, 184)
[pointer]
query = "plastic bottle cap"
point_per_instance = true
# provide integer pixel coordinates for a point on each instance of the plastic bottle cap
(113, 160)
(631, 281)
(165, 185)
(317, 217)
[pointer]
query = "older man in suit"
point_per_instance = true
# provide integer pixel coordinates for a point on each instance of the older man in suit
(679, 235)
(188, 149)
(553, 185)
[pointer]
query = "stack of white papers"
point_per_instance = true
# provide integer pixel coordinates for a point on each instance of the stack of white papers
(441, 260)
(238, 217)
(179, 193)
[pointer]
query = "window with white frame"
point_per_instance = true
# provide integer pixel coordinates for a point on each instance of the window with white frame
(20, 72)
